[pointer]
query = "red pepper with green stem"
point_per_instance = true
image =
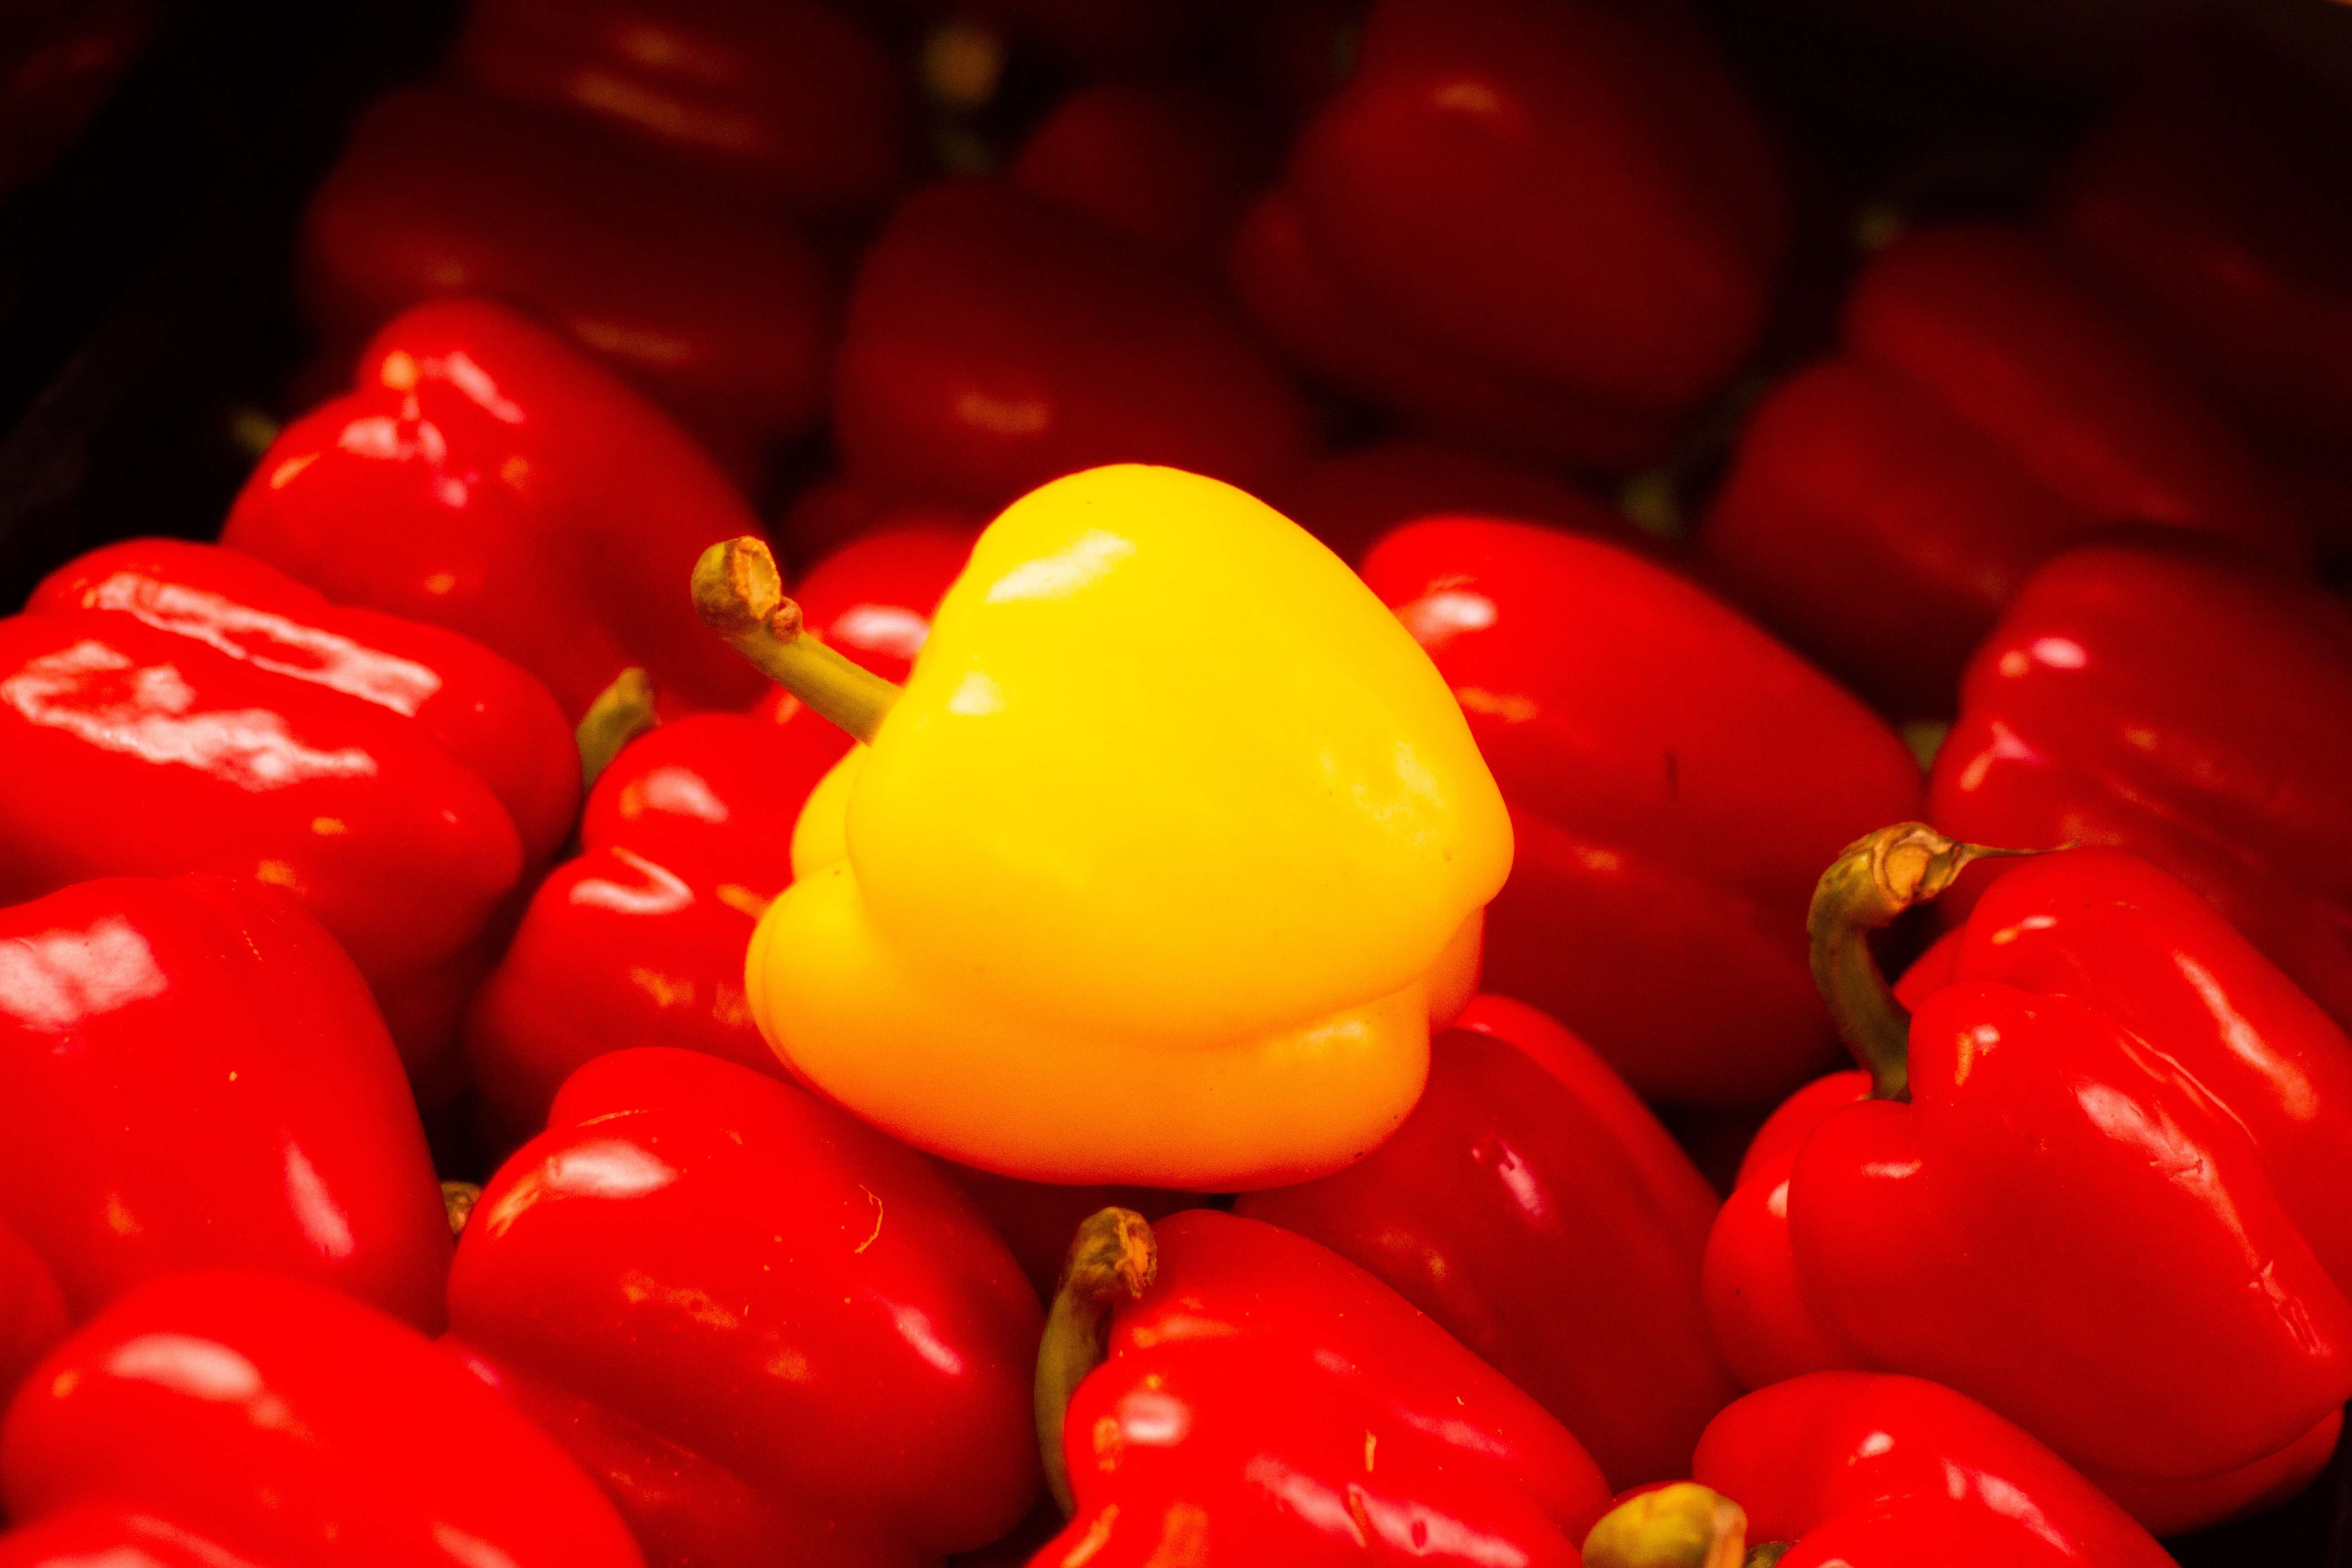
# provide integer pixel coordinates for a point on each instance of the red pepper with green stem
(1677, 779)
(826, 1342)
(2106, 1061)
(1243, 1396)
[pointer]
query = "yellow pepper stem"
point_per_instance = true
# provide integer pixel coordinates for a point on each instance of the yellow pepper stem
(1113, 1255)
(1875, 879)
(740, 594)
(1685, 1525)
(622, 711)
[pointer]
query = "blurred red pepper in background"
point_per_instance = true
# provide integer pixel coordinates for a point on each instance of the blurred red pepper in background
(171, 707)
(2187, 704)
(1264, 1400)
(716, 311)
(822, 1337)
(1539, 1214)
(194, 1075)
(993, 343)
(58, 61)
(1988, 410)
(2098, 1059)
(484, 475)
(1547, 227)
(1676, 781)
(789, 100)
(278, 1423)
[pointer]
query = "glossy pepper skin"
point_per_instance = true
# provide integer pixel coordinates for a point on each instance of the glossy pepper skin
(1676, 780)
(717, 312)
(817, 1328)
(993, 343)
(1267, 1402)
(175, 709)
(1551, 227)
(1156, 871)
(2189, 705)
(1988, 410)
(1877, 1470)
(195, 1075)
(2104, 1059)
(290, 1426)
(484, 475)
(1538, 1213)
(687, 836)
(796, 102)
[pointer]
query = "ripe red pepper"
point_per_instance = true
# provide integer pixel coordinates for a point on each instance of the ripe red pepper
(993, 343)
(274, 1421)
(818, 1332)
(1551, 227)
(1539, 1214)
(193, 1075)
(640, 941)
(1988, 410)
(791, 100)
(169, 707)
(2189, 705)
(1676, 780)
(483, 475)
(716, 311)
(2097, 1060)
(1267, 1402)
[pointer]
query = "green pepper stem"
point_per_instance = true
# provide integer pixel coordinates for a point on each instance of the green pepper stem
(1875, 879)
(622, 711)
(457, 1201)
(1685, 1525)
(1113, 1255)
(740, 594)
(1764, 1554)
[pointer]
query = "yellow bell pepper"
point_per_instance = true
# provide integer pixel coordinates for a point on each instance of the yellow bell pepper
(1156, 868)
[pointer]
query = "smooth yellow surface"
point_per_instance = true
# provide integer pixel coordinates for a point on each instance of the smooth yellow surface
(1146, 877)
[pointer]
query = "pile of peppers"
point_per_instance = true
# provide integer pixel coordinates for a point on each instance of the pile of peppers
(1185, 785)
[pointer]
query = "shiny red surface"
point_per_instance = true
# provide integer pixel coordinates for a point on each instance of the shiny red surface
(755, 1278)
(1267, 1402)
(485, 476)
(1677, 780)
(993, 343)
(295, 1425)
(2192, 706)
(787, 99)
(1880, 1471)
(1553, 226)
(718, 312)
(193, 1075)
(1538, 1213)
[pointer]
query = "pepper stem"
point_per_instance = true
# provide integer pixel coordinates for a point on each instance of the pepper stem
(622, 711)
(1113, 1255)
(740, 594)
(1875, 879)
(1767, 1553)
(1685, 1525)
(457, 1201)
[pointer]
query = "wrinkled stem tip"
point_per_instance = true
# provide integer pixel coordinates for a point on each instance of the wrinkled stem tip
(737, 591)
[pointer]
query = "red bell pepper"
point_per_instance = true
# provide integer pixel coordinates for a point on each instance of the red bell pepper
(273, 1421)
(170, 706)
(487, 477)
(1544, 225)
(1988, 410)
(993, 343)
(2186, 704)
(1871, 1470)
(1351, 500)
(193, 1075)
(640, 941)
(1676, 780)
(811, 1323)
(791, 100)
(1267, 1402)
(718, 312)
(1539, 1214)
(2097, 1060)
